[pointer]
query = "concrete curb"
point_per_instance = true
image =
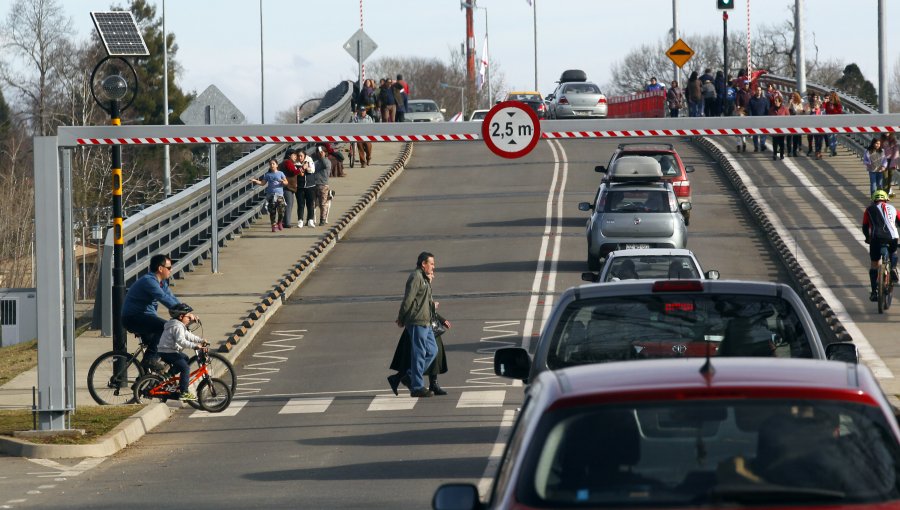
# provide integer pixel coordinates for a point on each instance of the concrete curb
(267, 307)
(130, 430)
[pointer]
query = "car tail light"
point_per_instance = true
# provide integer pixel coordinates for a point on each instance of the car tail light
(602, 100)
(682, 188)
(678, 286)
(541, 107)
(563, 100)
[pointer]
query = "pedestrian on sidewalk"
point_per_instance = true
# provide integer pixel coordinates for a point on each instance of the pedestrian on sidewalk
(876, 162)
(323, 196)
(275, 181)
(415, 316)
(795, 107)
(759, 106)
(364, 148)
(778, 141)
(289, 168)
(401, 361)
(139, 309)
(892, 154)
(674, 100)
(833, 106)
(306, 194)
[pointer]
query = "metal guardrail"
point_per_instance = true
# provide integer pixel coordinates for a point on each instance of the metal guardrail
(852, 104)
(180, 225)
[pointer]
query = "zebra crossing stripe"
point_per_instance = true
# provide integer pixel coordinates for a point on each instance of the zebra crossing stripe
(481, 399)
(306, 405)
(392, 403)
(233, 409)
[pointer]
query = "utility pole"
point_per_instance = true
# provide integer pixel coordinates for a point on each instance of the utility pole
(801, 53)
(883, 99)
(167, 174)
(675, 67)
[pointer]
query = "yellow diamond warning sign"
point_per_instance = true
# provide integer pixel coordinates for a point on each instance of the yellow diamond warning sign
(680, 53)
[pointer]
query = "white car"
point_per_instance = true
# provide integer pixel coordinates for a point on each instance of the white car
(651, 264)
(423, 110)
(478, 115)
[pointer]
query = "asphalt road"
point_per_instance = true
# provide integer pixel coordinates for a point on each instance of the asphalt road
(314, 424)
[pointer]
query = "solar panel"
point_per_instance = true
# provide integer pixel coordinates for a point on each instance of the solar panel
(120, 33)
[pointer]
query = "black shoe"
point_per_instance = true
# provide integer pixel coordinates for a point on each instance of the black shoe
(781, 157)
(404, 380)
(436, 389)
(774, 157)
(422, 393)
(756, 149)
(873, 296)
(394, 381)
(893, 276)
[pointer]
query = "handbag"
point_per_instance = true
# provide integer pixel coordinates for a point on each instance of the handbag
(438, 327)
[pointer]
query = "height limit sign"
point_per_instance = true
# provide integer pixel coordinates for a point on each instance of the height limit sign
(511, 129)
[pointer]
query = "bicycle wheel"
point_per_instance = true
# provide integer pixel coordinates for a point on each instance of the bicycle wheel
(352, 154)
(143, 385)
(218, 365)
(111, 378)
(213, 395)
(882, 287)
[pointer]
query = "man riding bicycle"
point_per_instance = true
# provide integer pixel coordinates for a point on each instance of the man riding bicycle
(139, 310)
(879, 226)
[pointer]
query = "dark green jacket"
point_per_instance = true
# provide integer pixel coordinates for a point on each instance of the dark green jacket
(415, 309)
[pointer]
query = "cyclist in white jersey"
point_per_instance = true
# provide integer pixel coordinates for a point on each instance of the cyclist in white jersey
(879, 226)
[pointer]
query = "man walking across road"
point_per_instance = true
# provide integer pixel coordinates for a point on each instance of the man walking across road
(415, 316)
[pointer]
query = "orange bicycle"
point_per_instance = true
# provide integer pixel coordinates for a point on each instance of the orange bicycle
(213, 394)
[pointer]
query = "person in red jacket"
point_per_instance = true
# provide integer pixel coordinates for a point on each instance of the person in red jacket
(833, 106)
(778, 141)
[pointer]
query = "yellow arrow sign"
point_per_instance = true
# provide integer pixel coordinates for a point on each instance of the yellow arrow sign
(680, 53)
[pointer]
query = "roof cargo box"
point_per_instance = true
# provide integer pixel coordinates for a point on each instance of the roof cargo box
(635, 168)
(573, 75)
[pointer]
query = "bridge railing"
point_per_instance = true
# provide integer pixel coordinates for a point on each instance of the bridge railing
(857, 142)
(180, 225)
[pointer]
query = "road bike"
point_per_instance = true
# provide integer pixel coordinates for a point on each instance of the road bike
(213, 394)
(112, 375)
(351, 157)
(885, 287)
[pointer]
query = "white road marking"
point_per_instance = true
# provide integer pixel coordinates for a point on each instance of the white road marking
(484, 370)
(233, 409)
(481, 399)
(61, 470)
(866, 351)
(45, 487)
(306, 405)
(254, 373)
(392, 403)
(484, 484)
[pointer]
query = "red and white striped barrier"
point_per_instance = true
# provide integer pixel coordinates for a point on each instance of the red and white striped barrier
(720, 132)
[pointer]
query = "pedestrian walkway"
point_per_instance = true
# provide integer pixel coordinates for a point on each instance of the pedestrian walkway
(249, 267)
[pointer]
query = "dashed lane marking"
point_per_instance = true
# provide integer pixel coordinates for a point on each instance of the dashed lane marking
(392, 403)
(481, 399)
(306, 405)
(233, 409)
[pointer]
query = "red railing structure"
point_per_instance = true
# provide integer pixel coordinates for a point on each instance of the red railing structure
(638, 105)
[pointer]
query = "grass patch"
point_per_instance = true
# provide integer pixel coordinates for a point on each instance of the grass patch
(95, 420)
(16, 359)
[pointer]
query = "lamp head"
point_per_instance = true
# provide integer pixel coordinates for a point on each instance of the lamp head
(114, 87)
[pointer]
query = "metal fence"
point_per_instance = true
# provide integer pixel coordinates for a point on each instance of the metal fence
(180, 225)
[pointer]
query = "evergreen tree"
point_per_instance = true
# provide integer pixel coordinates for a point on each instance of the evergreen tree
(5, 117)
(853, 82)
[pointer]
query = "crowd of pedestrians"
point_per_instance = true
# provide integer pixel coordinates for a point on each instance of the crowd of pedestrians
(387, 102)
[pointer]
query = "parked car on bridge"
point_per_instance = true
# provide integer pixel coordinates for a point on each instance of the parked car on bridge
(641, 319)
(634, 208)
(531, 98)
(682, 434)
(673, 168)
(424, 110)
(478, 115)
(576, 98)
(651, 264)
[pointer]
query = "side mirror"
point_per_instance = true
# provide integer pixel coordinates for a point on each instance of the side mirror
(712, 274)
(584, 206)
(590, 277)
(689, 169)
(685, 206)
(600, 169)
(842, 351)
(456, 496)
(550, 97)
(512, 362)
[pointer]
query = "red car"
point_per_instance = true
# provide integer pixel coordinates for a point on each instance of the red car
(698, 433)
(672, 167)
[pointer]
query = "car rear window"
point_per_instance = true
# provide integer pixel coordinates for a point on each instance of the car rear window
(711, 453)
(524, 97)
(581, 88)
(422, 107)
(678, 324)
(636, 200)
(651, 267)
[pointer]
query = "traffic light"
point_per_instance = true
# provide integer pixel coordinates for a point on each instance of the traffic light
(725, 4)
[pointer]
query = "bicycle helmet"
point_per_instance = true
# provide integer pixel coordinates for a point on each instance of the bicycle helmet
(880, 195)
(179, 310)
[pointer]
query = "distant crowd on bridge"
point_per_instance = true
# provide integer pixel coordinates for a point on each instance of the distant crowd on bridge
(388, 102)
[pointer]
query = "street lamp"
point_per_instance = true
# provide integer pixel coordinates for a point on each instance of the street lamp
(462, 96)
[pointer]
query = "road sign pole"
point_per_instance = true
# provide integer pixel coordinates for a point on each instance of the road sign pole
(213, 197)
(725, 48)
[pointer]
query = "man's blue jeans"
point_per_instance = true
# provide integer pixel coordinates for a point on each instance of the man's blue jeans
(424, 349)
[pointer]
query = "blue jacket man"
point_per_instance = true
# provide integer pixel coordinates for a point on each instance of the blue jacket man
(139, 310)
(757, 107)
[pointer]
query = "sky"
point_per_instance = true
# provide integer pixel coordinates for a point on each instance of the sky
(303, 54)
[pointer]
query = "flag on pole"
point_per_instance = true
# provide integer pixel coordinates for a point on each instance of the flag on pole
(482, 68)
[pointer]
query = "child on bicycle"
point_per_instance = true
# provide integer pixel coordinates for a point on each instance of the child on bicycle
(176, 337)
(880, 228)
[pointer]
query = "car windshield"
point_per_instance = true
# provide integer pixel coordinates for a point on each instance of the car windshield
(689, 453)
(654, 267)
(479, 115)
(672, 325)
(581, 88)
(636, 200)
(422, 107)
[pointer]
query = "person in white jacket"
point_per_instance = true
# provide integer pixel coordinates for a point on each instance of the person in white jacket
(176, 337)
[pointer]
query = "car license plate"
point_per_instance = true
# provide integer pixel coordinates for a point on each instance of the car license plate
(581, 113)
(636, 246)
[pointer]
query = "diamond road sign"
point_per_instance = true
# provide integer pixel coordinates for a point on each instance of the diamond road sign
(225, 112)
(366, 46)
(680, 53)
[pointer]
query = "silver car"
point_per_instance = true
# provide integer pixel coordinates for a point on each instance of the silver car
(651, 264)
(577, 100)
(423, 110)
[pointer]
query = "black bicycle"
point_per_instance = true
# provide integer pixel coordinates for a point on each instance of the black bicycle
(113, 374)
(885, 287)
